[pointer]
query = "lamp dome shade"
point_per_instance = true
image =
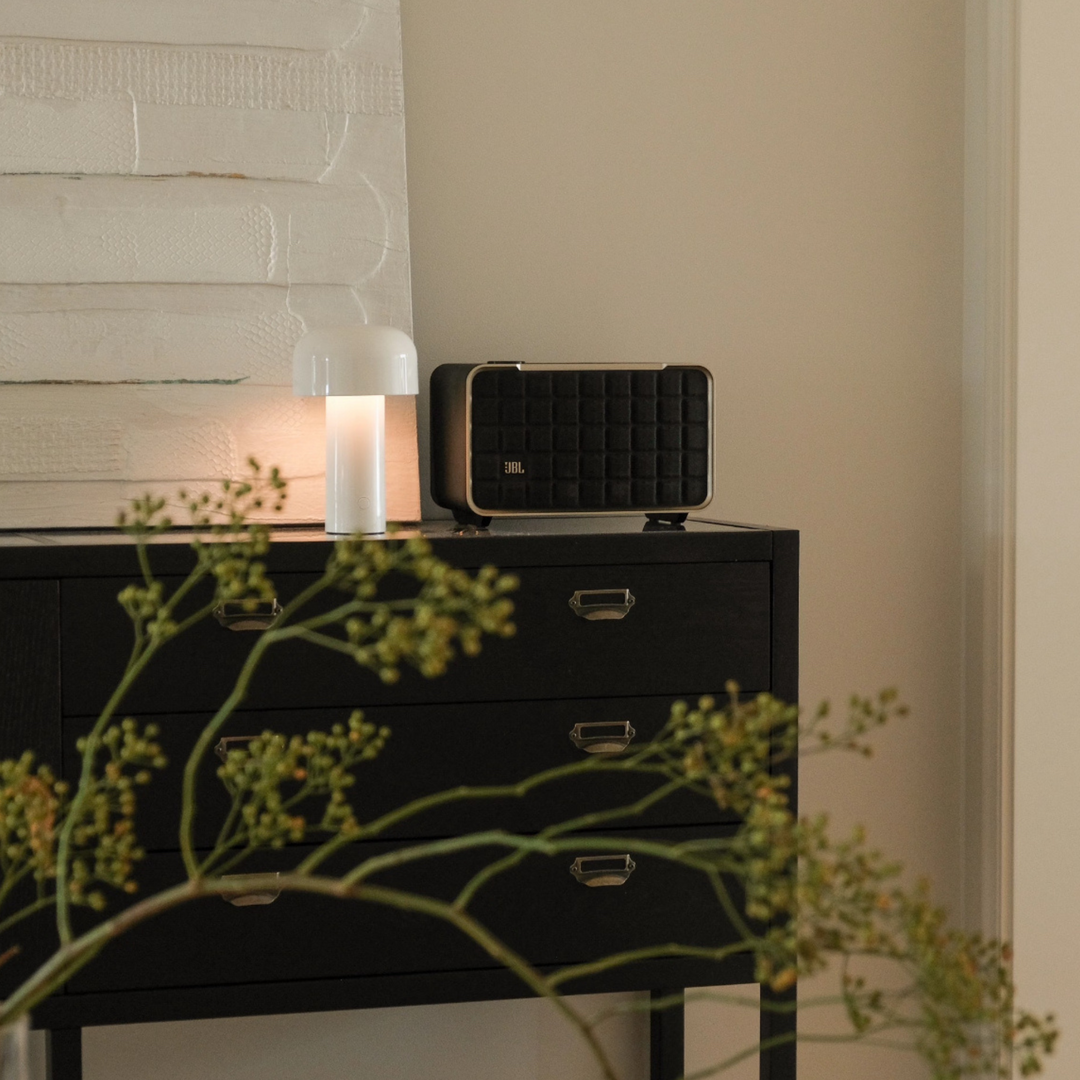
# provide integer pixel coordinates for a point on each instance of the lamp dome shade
(355, 361)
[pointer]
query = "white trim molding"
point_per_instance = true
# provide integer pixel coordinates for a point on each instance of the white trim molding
(989, 459)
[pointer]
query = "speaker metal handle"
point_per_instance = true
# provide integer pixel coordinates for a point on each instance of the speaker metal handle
(600, 870)
(239, 615)
(255, 898)
(602, 603)
(602, 737)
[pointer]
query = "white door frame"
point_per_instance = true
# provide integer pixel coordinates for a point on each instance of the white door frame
(989, 459)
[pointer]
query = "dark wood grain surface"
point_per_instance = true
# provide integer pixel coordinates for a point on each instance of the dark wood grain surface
(714, 601)
(30, 669)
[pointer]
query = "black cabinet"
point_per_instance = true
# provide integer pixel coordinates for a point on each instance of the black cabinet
(711, 602)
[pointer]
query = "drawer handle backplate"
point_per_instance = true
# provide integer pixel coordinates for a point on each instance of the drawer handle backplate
(602, 603)
(600, 870)
(239, 615)
(255, 898)
(602, 737)
(231, 742)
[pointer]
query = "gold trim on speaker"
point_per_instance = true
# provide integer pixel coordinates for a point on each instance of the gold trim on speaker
(636, 511)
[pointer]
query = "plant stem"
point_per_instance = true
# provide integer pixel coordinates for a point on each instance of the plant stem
(38, 905)
(651, 952)
(74, 811)
(465, 896)
(203, 743)
(72, 956)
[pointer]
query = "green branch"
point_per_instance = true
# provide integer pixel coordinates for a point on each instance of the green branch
(805, 901)
(202, 745)
(40, 904)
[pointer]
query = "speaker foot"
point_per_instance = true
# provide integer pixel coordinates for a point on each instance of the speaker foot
(467, 517)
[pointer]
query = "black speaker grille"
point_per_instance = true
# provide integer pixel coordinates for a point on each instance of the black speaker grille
(590, 440)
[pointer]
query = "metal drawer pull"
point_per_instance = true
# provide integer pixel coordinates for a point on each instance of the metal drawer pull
(237, 615)
(606, 603)
(256, 898)
(595, 870)
(601, 737)
(229, 742)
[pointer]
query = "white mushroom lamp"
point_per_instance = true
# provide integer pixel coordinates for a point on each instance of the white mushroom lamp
(354, 368)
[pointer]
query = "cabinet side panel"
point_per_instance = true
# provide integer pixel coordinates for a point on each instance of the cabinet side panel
(448, 435)
(30, 669)
(785, 615)
(778, 1024)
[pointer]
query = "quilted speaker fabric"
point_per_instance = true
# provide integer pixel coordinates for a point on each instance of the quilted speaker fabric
(583, 440)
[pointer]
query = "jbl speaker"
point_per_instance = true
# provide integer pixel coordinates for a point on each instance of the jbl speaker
(527, 439)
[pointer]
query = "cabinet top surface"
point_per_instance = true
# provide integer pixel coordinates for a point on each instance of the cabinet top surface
(78, 552)
(502, 527)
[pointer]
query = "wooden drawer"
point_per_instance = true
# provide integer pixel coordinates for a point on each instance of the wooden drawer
(539, 909)
(433, 748)
(33, 940)
(692, 627)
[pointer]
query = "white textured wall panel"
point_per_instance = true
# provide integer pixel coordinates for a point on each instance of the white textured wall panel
(301, 24)
(95, 502)
(174, 140)
(186, 189)
(116, 333)
(186, 230)
(38, 445)
(168, 433)
(170, 75)
(60, 136)
(116, 136)
(162, 333)
(126, 438)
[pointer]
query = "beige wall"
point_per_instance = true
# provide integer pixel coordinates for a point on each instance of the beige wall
(771, 187)
(1047, 857)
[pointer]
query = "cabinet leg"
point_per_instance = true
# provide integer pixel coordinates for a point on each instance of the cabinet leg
(63, 1054)
(778, 1036)
(666, 1061)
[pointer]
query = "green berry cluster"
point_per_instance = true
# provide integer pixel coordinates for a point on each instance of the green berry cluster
(818, 900)
(734, 751)
(272, 777)
(443, 608)
(147, 608)
(235, 546)
(32, 802)
(35, 806)
(105, 844)
(145, 517)
(733, 754)
(219, 515)
(864, 715)
(229, 546)
(958, 999)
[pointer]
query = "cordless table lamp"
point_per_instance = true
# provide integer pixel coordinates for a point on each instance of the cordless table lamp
(354, 368)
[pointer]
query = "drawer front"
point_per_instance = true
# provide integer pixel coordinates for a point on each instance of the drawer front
(692, 627)
(32, 941)
(29, 668)
(539, 909)
(433, 748)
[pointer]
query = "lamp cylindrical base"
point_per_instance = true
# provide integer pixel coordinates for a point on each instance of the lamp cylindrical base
(355, 465)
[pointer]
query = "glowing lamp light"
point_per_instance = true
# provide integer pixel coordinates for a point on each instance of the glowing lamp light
(354, 368)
